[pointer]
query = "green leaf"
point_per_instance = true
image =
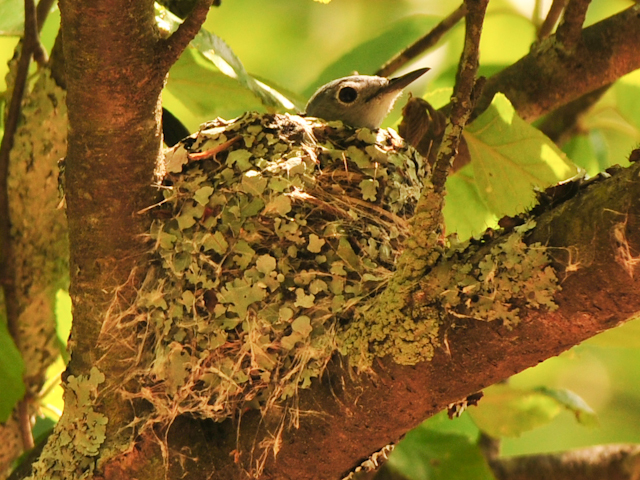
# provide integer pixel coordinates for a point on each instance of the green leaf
(508, 412)
(611, 128)
(367, 57)
(11, 370)
(11, 17)
(426, 454)
(574, 403)
(215, 242)
(241, 294)
(196, 92)
(464, 211)
(202, 195)
(509, 158)
(63, 316)
(462, 425)
(214, 49)
(215, 54)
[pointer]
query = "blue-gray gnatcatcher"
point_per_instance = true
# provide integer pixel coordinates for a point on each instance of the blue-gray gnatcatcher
(359, 100)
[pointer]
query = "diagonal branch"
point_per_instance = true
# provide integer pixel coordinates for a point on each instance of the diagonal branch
(172, 47)
(561, 123)
(546, 79)
(570, 29)
(424, 43)
(551, 19)
(462, 101)
(605, 462)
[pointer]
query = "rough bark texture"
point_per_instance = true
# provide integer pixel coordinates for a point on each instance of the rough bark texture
(608, 462)
(550, 77)
(113, 144)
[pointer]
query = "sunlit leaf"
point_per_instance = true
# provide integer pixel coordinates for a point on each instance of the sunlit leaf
(215, 50)
(610, 129)
(220, 54)
(572, 402)
(11, 369)
(196, 92)
(505, 411)
(464, 211)
(508, 412)
(509, 158)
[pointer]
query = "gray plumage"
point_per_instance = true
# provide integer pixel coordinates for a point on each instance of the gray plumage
(359, 100)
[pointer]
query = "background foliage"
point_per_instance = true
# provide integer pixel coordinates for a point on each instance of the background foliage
(289, 48)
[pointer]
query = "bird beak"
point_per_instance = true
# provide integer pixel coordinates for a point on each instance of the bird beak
(396, 84)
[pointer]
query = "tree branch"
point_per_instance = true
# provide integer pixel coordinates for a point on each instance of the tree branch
(474, 354)
(570, 29)
(545, 79)
(462, 101)
(172, 47)
(424, 43)
(7, 257)
(605, 462)
(551, 19)
(42, 11)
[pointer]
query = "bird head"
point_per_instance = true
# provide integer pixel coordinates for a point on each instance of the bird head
(359, 100)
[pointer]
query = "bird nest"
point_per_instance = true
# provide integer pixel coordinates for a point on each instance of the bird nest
(272, 231)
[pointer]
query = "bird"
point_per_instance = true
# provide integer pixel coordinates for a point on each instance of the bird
(359, 100)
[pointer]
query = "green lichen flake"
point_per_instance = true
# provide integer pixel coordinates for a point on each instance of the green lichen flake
(263, 249)
(73, 447)
(513, 275)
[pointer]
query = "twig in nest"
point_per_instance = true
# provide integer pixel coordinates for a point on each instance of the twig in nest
(569, 31)
(424, 43)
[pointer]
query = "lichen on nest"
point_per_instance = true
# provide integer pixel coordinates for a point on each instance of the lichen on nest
(272, 230)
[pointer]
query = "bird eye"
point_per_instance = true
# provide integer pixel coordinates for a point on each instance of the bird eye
(347, 94)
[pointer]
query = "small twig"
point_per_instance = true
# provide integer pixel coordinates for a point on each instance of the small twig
(569, 31)
(424, 43)
(25, 423)
(464, 93)
(171, 48)
(602, 462)
(422, 244)
(42, 12)
(552, 18)
(31, 36)
(7, 259)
